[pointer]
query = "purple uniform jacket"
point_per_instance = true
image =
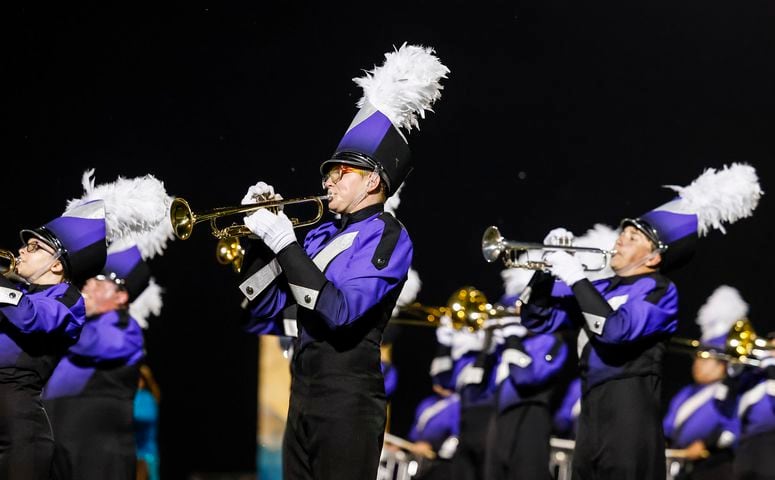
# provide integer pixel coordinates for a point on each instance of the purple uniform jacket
(692, 415)
(750, 398)
(623, 321)
(345, 280)
(104, 361)
(436, 419)
(37, 324)
(526, 368)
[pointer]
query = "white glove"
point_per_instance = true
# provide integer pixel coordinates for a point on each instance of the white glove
(444, 335)
(465, 341)
(258, 192)
(564, 266)
(276, 230)
(501, 334)
(559, 237)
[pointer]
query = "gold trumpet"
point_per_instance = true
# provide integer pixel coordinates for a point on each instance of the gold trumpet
(495, 247)
(183, 219)
(8, 263)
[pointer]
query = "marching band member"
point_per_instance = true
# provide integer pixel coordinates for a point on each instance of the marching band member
(90, 395)
(693, 423)
(435, 431)
(624, 321)
(41, 315)
(345, 279)
(527, 371)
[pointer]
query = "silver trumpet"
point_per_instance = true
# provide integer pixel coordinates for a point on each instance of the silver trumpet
(495, 247)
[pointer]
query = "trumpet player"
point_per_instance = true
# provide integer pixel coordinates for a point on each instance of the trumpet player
(624, 320)
(345, 278)
(39, 318)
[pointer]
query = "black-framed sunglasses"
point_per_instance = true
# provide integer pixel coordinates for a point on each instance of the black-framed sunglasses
(32, 247)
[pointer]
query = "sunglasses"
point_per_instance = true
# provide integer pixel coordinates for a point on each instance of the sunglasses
(337, 172)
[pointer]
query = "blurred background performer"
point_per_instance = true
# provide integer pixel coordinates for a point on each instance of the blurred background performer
(345, 279)
(41, 315)
(90, 395)
(693, 423)
(528, 367)
(624, 321)
(474, 361)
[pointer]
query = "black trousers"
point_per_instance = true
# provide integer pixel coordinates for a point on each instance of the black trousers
(620, 432)
(716, 467)
(755, 458)
(94, 438)
(336, 419)
(518, 444)
(468, 462)
(26, 442)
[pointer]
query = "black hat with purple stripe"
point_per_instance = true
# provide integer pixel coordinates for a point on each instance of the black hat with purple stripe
(712, 199)
(394, 95)
(78, 239)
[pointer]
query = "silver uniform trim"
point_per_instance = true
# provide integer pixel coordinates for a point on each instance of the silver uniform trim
(440, 364)
(511, 356)
(694, 402)
(257, 283)
(576, 410)
(596, 323)
(9, 296)
(290, 327)
(448, 448)
(330, 251)
(469, 376)
(305, 297)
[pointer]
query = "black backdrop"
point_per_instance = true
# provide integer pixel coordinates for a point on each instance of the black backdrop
(556, 113)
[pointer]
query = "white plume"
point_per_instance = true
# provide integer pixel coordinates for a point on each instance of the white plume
(599, 236)
(720, 196)
(721, 310)
(393, 201)
(146, 304)
(405, 86)
(409, 291)
(133, 206)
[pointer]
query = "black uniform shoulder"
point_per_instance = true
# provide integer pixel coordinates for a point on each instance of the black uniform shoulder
(661, 287)
(70, 296)
(387, 243)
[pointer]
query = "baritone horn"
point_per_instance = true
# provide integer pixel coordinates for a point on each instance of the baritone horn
(495, 247)
(183, 219)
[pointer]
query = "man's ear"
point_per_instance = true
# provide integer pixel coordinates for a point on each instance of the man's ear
(57, 268)
(373, 182)
(655, 260)
(122, 297)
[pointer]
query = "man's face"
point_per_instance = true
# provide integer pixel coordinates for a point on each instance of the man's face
(344, 184)
(33, 257)
(102, 296)
(632, 247)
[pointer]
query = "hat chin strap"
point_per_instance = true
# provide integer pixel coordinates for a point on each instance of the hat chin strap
(45, 268)
(638, 264)
(361, 197)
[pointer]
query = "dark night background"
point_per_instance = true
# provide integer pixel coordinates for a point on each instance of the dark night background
(556, 113)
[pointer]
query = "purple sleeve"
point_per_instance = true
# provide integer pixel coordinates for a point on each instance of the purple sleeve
(563, 418)
(266, 311)
(651, 309)
(39, 313)
(546, 304)
(391, 378)
(106, 339)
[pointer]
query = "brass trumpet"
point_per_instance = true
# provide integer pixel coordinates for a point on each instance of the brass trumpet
(183, 219)
(495, 247)
(8, 263)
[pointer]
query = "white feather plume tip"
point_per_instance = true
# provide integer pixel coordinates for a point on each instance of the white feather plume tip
(726, 195)
(409, 292)
(133, 206)
(405, 86)
(516, 279)
(146, 304)
(393, 201)
(599, 236)
(721, 310)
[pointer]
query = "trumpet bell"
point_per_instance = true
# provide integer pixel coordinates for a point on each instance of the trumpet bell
(7, 262)
(492, 244)
(182, 218)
